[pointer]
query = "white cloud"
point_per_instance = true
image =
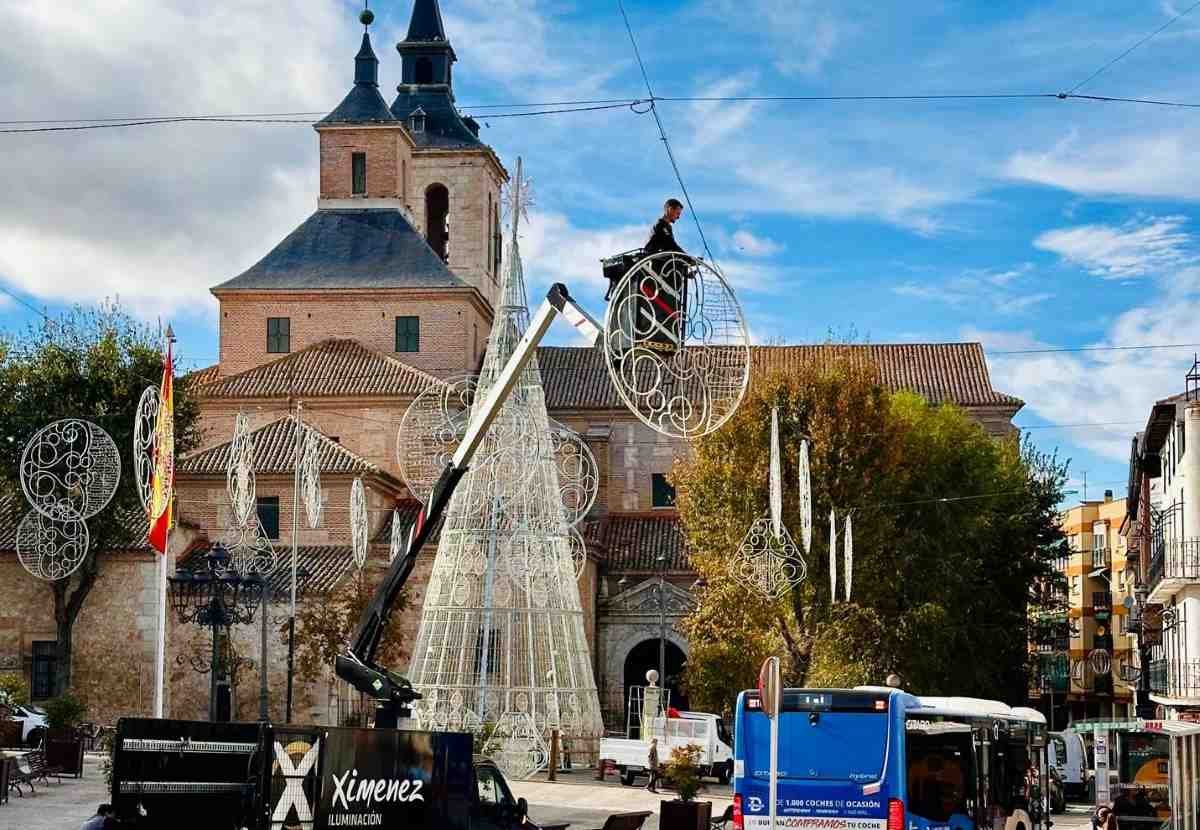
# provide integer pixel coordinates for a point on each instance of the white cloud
(997, 291)
(1135, 249)
(802, 35)
(1156, 164)
(159, 214)
(755, 246)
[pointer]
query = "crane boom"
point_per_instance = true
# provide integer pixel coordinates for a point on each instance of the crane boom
(395, 693)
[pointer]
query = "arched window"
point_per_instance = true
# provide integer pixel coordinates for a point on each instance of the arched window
(437, 219)
(423, 71)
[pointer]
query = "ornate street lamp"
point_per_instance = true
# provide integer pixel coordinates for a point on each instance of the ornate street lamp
(216, 596)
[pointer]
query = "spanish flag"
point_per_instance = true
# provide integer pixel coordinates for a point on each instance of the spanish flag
(162, 480)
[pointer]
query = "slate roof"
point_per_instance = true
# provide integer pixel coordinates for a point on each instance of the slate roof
(445, 128)
(633, 541)
(326, 564)
(330, 368)
(363, 104)
(426, 22)
(372, 248)
(576, 378)
(13, 508)
(275, 453)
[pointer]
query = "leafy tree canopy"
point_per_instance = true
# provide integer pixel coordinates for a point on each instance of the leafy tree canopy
(954, 532)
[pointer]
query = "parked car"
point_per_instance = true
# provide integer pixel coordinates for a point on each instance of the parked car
(33, 724)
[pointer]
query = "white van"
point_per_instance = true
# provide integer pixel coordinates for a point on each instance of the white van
(1068, 757)
(700, 728)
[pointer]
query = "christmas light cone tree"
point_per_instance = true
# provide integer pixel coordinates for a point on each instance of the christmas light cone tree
(501, 649)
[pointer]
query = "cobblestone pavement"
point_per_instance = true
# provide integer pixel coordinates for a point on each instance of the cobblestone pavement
(57, 806)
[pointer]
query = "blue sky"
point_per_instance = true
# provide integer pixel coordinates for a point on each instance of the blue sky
(1023, 224)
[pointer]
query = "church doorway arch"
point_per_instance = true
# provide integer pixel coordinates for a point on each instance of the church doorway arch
(643, 657)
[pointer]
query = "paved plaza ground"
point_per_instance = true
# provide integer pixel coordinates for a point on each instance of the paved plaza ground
(576, 798)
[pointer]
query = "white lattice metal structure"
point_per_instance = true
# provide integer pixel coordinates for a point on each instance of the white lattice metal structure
(359, 522)
(144, 424)
(239, 473)
(250, 551)
(676, 345)
(833, 556)
(848, 541)
(310, 476)
(806, 522)
(767, 560)
(70, 469)
(501, 646)
(51, 549)
(396, 545)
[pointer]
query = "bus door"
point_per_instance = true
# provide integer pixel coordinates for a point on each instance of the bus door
(940, 775)
(1014, 795)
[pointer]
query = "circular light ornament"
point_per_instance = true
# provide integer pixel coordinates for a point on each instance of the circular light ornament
(676, 345)
(51, 548)
(144, 423)
(70, 469)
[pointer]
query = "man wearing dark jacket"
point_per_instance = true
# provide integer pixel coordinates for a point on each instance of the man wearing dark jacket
(662, 238)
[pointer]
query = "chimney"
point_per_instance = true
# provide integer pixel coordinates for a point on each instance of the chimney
(1108, 495)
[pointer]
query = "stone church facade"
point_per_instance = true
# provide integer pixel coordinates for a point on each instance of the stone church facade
(386, 290)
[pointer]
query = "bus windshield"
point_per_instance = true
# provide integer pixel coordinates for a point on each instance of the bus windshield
(821, 745)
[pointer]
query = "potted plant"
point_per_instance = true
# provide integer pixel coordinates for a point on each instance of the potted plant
(13, 693)
(64, 744)
(682, 773)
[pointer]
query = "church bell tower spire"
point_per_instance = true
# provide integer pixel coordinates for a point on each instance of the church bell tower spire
(426, 54)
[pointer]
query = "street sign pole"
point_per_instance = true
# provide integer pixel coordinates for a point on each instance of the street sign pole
(770, 689)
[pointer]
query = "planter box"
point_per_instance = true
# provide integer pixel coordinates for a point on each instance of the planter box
(64, 751)
(684, 815)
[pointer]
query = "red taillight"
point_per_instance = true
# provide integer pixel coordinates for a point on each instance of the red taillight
(739, 822)
(895, 814)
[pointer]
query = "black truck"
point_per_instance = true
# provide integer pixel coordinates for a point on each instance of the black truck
(180, 775)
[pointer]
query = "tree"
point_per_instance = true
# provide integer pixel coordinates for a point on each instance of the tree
(91, 363)
(953, 532)
(325, 623)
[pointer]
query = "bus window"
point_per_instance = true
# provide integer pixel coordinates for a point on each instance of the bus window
(939, 773)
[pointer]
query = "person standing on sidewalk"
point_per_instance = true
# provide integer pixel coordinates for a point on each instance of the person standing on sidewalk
(652, 763)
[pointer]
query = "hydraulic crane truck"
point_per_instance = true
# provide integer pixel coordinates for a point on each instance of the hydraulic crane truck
(176, 775)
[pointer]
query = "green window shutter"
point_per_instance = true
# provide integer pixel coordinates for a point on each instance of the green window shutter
(358, 163)
(408, 334)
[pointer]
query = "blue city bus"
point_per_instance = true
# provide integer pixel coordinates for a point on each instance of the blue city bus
(876, 758)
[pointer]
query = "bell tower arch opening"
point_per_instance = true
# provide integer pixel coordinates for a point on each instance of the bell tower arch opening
(437, 219)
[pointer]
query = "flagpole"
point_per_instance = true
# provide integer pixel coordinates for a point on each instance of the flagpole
(160, 643)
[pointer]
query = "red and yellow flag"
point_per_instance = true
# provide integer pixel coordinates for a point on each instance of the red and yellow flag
(162, 479)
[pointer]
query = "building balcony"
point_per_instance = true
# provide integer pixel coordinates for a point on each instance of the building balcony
(1175, 680)
(1102, 604)
(1101, 558)
(1175, 563)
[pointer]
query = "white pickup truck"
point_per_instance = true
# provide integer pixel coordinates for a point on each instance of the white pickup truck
(701, 728)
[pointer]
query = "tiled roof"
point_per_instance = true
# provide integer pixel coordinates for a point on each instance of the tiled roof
(576, 378)
(275, 454)
(199, 377)
(340, 248)
(634, 541)
(328, 368)
(325, 564)
(13, 509)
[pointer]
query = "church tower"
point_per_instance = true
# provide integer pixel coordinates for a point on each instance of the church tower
(454, 187)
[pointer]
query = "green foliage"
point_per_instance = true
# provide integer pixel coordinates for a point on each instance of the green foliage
(935, 581)
(324, 624)
(14, 691)
(90, 363)
(64, 712)
(682, 771)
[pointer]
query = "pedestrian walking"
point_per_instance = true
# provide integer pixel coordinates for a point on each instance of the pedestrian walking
(652, 763)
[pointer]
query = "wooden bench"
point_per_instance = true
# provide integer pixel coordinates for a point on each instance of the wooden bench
(720, 821)
(40, 769)
(626, 821)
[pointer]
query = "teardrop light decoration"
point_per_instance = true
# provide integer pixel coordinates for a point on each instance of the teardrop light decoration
(849, 541)
(805, 500)
(832, 557)
(776, 477)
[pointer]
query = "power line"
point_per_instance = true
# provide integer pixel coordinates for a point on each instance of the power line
(663, 133)
(28, 305)
(1131, 48)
